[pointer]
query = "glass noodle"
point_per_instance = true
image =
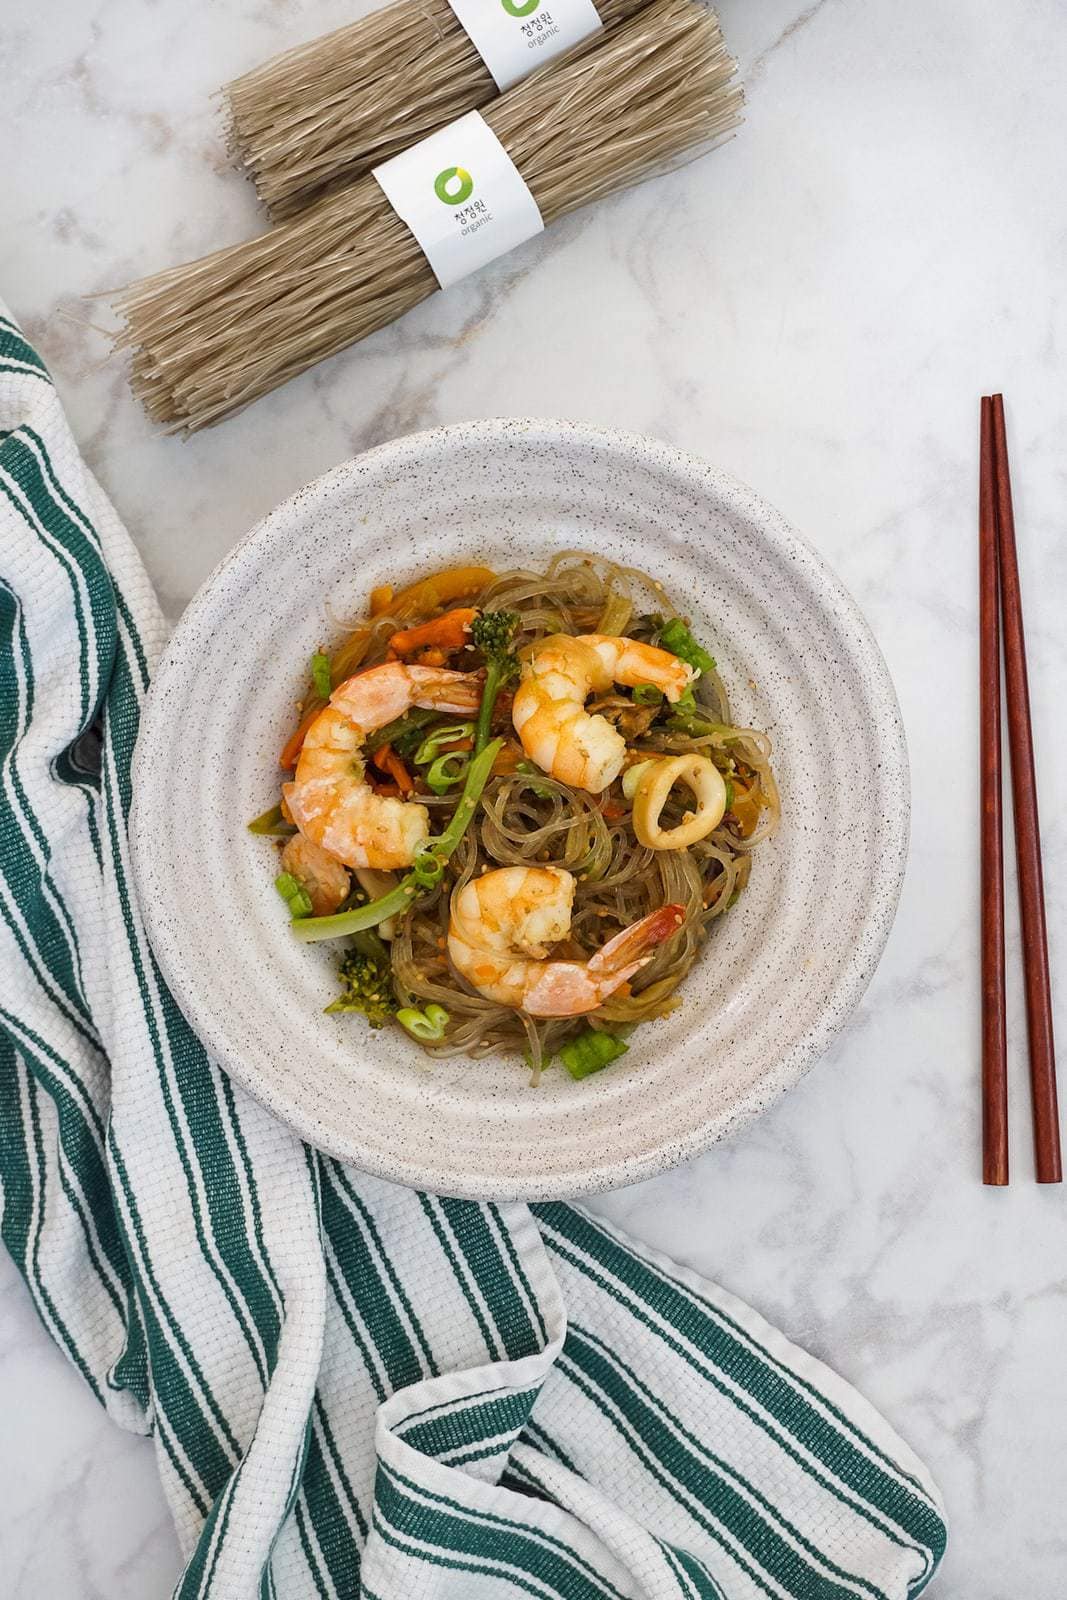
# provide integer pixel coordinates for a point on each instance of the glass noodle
(527, 817)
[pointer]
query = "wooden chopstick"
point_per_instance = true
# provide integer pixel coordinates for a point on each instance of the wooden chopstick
(1048, 1163)
(994, 1018)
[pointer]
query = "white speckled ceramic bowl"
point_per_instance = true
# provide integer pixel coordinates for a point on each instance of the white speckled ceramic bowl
(780, 974)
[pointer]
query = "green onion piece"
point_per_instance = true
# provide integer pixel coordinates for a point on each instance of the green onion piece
(590, 1052)
(675, 637)
(320, 674)
(429, 747)
(272, 822)
(444, 773)
(294, 894)
(310, 929)
(428, 1025)
(697, 727)
(426, 872)
(646, 694)
(403, 734)
(729, 794)
(686, 703)
(477, 777)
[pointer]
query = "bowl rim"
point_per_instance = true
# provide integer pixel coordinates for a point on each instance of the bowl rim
(854, 974)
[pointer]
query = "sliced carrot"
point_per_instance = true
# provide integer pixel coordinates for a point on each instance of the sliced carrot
(294, 744)
(386, 760)
(448, 632)
(611, 811)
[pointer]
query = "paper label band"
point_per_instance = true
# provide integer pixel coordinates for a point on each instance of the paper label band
(515, 36)
(462, 196)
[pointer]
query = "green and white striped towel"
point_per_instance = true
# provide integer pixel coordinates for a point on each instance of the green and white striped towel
(354, 1390)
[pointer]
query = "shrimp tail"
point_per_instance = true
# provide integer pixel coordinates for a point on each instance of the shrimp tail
(569, 988)
(631, 948)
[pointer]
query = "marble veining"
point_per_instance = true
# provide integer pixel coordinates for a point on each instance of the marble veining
(815, 308)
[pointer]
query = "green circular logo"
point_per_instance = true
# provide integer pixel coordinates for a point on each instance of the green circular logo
(454, 185)
(520, 8)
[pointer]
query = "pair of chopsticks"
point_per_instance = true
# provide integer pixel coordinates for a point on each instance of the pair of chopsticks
(1000, 609)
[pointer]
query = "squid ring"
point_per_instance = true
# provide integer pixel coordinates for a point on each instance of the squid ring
(707, 786)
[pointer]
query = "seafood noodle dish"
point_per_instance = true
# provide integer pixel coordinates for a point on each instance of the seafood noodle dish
(517, 803)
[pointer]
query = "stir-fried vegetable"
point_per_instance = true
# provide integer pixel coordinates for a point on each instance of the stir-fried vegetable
(272, 823)
(320, 674)
(447, 633)
(493, 633)
(428, 1025)
(294, 894)
(295, 742)
(696, 725)
(746, 804)
(444, 753)
(426, 872)
(447, 770)
(367, 985)
(675, 637)
(427, 595)
(452, 733)
(407, 605)
(386, 760)
(439, 589)
(405, 734)
(591, 1051)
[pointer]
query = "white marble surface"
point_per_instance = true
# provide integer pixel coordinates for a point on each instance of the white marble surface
(817, 308)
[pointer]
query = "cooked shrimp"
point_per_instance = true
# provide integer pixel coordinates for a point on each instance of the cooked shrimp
(549, 713)
(503, 924)
(319, 874)
(330, 800)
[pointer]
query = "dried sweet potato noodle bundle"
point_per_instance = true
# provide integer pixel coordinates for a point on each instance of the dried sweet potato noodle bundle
(209, 337)
(312, 120)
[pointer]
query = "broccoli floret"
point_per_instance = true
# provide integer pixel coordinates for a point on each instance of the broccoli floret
(493, 633)
(367, 983)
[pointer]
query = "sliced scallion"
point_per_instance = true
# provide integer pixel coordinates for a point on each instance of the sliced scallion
(428, 1025)
(320, 674)
(590, 1052)
(272, 824)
